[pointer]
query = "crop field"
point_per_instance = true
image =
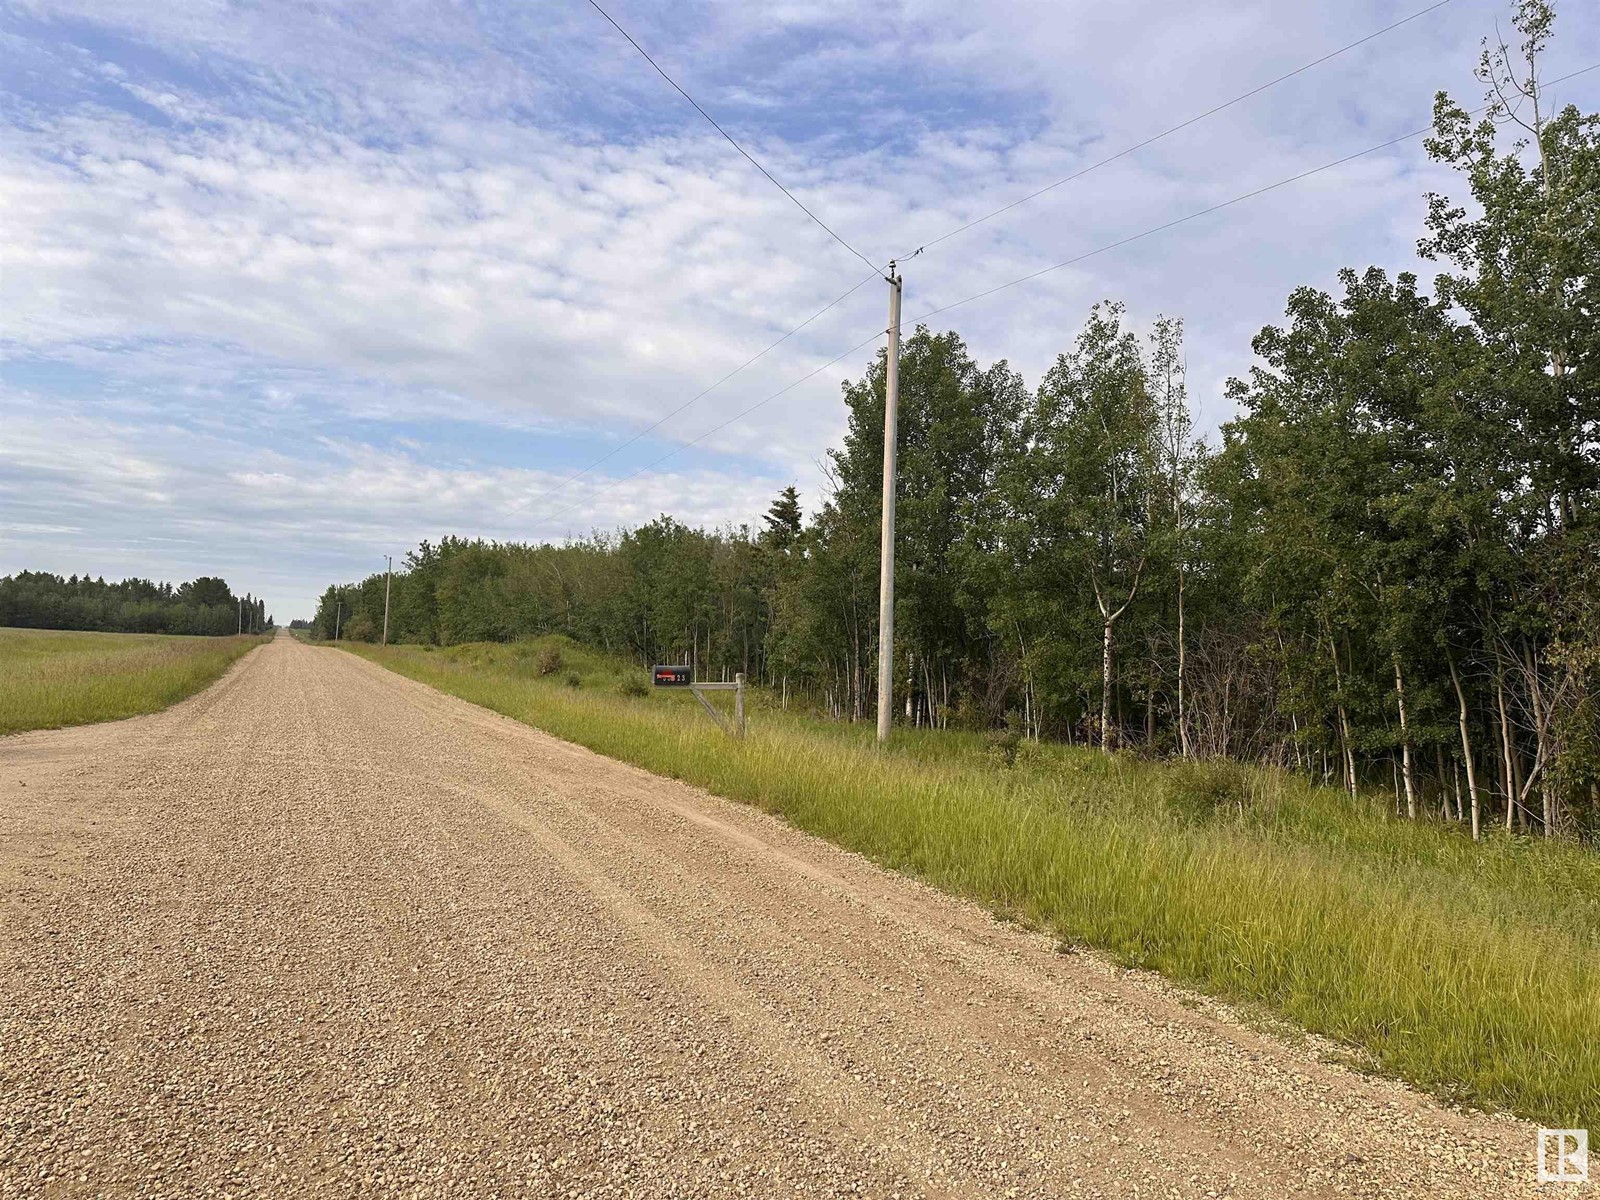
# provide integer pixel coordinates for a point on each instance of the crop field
(1473, 972)
(53, 678)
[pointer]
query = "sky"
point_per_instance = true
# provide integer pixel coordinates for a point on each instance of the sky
(288, 287)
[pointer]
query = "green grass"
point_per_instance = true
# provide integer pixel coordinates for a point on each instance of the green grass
(1472, 971)
(51, 678)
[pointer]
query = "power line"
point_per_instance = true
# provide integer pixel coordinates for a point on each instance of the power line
(1328, 166)
(755, 358)
(751, 158)
(943, 237)
(617, 449)
(1250, 195)
(1210, 112)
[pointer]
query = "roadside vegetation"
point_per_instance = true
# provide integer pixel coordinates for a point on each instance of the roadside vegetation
(1383, 573)
(1307, 714)
(53, 678)
(1472, 970)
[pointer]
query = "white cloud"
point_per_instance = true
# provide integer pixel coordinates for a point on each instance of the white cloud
(273, 224)
(593, 280)
(84, 493)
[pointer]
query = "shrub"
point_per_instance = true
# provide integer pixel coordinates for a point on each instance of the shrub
(969, 715)
(547, 662)
(633, 687)
(1198, 791)
(574, 680)
(1003, 746)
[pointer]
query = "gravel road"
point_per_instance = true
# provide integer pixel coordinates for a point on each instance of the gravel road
(324, 931)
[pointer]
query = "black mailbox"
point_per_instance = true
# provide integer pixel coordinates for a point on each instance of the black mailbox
(671, 676)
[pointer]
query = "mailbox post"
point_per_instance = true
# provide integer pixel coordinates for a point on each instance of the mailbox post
(672, 676)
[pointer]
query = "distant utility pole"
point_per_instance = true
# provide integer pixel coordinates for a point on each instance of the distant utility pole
(338, 612)
(241, 614)
(388, 568)
(891, 416)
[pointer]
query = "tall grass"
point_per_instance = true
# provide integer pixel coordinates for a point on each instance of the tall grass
(1472, 971)
(52, 678)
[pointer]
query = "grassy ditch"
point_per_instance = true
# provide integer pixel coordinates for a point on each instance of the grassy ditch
(51, 678)
(1472, 971)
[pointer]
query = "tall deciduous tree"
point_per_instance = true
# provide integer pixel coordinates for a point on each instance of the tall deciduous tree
(1085, 484)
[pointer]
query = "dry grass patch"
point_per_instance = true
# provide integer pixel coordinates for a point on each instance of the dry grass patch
(1472, 971)
(53, 678)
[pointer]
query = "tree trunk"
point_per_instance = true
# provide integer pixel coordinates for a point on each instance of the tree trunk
(855, 673)
(1466, 747)
(1444, 790)
(1109, 615)
(1183, 711)
(1405, 742)
(1541, 756)
(1105, 688)
(1121, 723)
(1347, 752)
(1227, 696)
(1508, 770)
(1030, 710)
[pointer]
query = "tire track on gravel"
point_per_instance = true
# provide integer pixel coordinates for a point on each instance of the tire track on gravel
(334, 933)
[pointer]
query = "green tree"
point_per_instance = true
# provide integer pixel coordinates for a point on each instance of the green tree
(1084, 486)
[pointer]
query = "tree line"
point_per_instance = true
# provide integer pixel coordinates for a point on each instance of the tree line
(1385, 571)
(205, 606)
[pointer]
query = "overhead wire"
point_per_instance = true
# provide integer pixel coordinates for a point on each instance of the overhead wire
(1182, 125)
(1194, 216)
(1109, 246)
(632, 41)
(617, 449)
(878, 271)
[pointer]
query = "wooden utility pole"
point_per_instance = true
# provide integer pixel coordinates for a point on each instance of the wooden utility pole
(891, 413)
(388, 568)
(241, 614)
(338, 613)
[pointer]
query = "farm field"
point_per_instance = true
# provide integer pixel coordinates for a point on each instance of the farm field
(53, 678)
(1473, 972)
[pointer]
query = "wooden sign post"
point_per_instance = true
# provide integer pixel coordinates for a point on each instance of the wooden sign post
(679, 676)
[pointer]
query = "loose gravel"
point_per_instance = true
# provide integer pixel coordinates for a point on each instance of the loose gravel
(322, 931)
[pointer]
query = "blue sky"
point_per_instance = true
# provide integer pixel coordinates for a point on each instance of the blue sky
(287, 287)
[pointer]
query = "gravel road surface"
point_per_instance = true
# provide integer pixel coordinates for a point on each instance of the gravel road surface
(322, 931)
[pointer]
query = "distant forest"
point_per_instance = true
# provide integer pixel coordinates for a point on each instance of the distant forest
(38, 600)
(1384, 572)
